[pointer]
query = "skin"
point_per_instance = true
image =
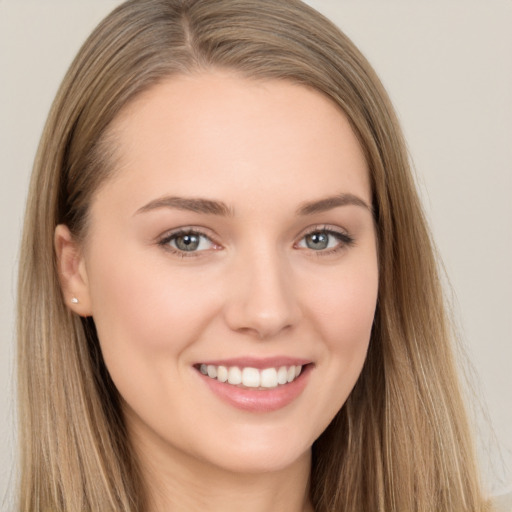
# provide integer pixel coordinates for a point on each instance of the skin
(254, 288)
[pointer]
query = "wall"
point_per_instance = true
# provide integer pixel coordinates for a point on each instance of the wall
(448, 68)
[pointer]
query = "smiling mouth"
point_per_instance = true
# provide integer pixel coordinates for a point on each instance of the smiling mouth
(252, 378)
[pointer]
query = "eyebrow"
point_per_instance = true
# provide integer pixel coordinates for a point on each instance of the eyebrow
(211, 207)
(329, 203)
(197, 205)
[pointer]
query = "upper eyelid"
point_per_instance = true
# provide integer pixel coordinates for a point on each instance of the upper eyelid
(210, 235)
(164, 241)
(324, 227)
(345, 239)
(187, 230)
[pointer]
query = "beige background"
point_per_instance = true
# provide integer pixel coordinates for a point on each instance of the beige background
(448, 67)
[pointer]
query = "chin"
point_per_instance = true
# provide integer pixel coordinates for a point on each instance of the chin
(262, 456)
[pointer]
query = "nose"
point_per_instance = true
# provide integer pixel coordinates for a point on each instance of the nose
(262, 296)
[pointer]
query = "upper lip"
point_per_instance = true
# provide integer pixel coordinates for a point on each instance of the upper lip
(258, 363)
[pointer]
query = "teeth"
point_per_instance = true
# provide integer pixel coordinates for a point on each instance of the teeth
(234, 375)
(268, 378)
(282, 375)
(252, 377)
(222, 374)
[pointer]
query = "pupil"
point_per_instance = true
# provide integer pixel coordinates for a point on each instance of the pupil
(317, 241)
(187, 242)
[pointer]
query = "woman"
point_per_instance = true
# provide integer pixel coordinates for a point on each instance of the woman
(228, 294)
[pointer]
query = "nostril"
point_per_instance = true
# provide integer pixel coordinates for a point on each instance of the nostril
(261, 325)
(263, 302)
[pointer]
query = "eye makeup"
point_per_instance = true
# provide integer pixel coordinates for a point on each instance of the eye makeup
(323, 240)
(188, 242)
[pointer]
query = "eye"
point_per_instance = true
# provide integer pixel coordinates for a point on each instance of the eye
(187, 242)
(327, 240)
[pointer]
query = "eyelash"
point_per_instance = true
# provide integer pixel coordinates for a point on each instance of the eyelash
(167, 239)
(344, 240)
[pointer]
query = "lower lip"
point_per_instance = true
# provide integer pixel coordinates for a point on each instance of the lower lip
(259, 400)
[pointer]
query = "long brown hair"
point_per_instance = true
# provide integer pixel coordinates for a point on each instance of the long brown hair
(401, 442)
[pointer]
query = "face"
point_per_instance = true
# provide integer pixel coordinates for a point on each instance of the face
(231, 269)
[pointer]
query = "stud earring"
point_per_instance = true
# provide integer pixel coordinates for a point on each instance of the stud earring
(74, 300)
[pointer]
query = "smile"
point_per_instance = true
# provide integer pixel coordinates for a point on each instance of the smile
(256, 385)
(254, 378)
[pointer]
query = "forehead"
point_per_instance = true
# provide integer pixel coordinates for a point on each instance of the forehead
(220, 132)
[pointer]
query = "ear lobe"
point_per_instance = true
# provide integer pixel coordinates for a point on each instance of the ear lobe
(72, 272)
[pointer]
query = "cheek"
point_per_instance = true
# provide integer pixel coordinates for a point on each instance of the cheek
(344, 308)
(146, 318)
(138, 305)
(344, 311)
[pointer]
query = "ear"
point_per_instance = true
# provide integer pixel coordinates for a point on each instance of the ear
(72, 272)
